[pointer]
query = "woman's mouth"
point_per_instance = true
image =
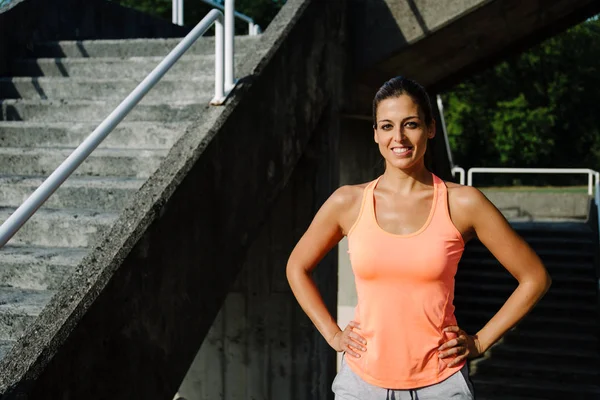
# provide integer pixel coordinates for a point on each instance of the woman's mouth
(402, 151)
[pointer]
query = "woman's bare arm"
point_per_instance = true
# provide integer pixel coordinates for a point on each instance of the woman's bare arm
(471, 208)
(326, 230)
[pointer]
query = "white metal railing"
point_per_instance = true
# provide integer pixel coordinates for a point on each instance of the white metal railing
(224, 82)
(597, 201)
(593, 176)
(461, 172)
(177, 15)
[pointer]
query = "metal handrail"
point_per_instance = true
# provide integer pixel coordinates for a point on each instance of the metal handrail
(177, 15)
(592, 175)
(461, 172)
(597, 201)
(49, 186)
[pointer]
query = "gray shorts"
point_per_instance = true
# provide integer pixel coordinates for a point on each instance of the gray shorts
(349, 386)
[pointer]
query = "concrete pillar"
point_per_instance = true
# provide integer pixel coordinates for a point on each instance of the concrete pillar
(360, 161)
(262, 345)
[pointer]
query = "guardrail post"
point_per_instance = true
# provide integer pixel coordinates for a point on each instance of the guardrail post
(219, 64)
(177, 12)
(229, 45)
(590, 183)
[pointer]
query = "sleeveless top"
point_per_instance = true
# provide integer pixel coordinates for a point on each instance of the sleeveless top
(405, 287)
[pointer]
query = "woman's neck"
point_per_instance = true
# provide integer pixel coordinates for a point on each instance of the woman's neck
(404, 181)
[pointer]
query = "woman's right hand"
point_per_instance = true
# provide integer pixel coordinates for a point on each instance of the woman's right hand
(349, 341)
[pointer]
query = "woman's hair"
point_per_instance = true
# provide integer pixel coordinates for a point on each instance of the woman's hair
(398, 86)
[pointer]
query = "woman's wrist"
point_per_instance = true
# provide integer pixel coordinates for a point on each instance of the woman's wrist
(331, 338)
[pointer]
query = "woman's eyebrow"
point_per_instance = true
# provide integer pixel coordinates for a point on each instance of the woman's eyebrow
(411, 117)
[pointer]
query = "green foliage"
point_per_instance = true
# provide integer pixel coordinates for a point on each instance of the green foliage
(261, 11)
(537, 109)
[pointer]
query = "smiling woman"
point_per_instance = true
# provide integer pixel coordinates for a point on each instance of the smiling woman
(406, 234)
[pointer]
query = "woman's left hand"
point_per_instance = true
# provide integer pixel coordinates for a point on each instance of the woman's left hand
(463, 346)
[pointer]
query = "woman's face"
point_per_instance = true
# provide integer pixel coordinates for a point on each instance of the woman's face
(401, 132)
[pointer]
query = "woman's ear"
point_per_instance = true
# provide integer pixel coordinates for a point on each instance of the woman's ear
(375, 134)
(432, 129)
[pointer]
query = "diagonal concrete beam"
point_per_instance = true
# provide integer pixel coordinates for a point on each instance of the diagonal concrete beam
(128, 322)
(440, 43)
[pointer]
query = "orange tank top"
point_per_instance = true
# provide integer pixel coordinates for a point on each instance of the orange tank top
(405, 288)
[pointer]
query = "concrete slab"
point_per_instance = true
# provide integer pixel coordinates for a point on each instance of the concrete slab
(37, 268)
(18, 308)
(188, 66)
(94, 193)
(96, 111)
(134, 135)
(130, 47)
(165, 90)
(102, 162)
(59, 228)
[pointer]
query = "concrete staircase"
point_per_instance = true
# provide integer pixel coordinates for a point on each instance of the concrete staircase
(49, 105)
(554, 352)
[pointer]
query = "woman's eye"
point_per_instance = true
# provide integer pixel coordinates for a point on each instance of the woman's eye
(386, 127)
(411, 125)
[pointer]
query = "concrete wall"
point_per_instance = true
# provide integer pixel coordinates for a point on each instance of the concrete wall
(536, 206)
(262, 345)
(129, 321)
(31, 21)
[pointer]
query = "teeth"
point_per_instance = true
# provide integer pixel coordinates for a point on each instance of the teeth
(400, 150)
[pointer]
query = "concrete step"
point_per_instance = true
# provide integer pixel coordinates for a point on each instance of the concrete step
(552, 229)
(18, 308)
(61, 228)
(501, 387)
(102, 162)
(94, 193)
(474, 276)
(37, 268)
(564, 356)
(529, 369)
(135, 68)
(562, 268)
(565, 307)
(131, 47)
(97, 89)
(96, 111)
(585, 243)
(484, 289)
(471, 320)
(582, 340)
(5, 346)
(546, 254)
(138, 135)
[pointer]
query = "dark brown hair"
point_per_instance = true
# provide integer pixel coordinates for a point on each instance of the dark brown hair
(398, 86)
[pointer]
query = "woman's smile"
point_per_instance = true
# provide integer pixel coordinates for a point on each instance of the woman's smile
(402, 151)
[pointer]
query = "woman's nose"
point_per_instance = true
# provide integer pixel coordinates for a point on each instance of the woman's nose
(398, 134)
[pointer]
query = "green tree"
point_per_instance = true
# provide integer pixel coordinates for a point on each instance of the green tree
(536, 109)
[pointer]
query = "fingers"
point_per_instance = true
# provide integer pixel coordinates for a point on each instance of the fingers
(452, 328)
(459, 350)
(458, 347)
(454, 342)
(457, 360)
(352, 341)
(353, 324)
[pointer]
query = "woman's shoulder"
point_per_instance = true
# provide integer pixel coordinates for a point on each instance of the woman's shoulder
(348, 195)
(465, 197)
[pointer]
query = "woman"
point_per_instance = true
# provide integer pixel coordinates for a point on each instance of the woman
(406, 233)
